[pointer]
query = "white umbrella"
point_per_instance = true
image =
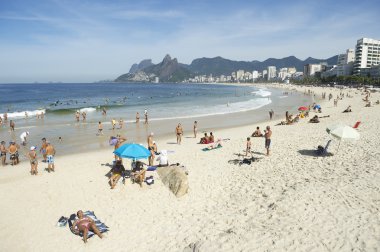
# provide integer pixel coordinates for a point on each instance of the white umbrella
(345, 133)
(334, 126)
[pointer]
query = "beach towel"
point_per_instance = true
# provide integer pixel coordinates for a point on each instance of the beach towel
(207, 149)
(100, 225)
(151, 168)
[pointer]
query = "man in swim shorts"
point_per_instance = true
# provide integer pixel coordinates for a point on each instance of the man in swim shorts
(179, 132)
(150, 148)
(13, 151)
(84, 224)
(268, 135)
(43, 149)
(50, 152)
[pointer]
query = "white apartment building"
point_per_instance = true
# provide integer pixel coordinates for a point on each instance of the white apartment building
(239, 74)
(367, 54)
(271, 72)
(292, 70)
(255, 75)
(345, 63)
(311, 69)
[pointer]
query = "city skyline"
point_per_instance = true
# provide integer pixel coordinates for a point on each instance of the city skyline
(86, 41)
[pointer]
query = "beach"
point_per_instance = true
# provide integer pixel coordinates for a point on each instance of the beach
(291, 200)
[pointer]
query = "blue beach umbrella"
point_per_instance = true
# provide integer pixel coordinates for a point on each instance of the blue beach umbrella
(317, 106)
(132, 151)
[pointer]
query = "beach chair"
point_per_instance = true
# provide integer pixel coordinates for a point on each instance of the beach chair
(322, 151)
(356, 125)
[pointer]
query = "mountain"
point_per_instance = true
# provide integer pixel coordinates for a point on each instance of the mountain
(169, 70)
(143, 64)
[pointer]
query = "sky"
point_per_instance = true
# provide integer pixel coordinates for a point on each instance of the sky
(86, 41)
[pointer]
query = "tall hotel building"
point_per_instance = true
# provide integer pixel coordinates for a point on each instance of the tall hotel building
(367, 55)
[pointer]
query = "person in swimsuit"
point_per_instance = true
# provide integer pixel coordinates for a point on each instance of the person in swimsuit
(179, 132)
(43, 149)
(12, 125)
(13, 151)
(3, 153)
(195, 128)
(146, 116)
(121, 123)
(50, 152)
(119, 142)
(268, 135)
(151, 148)
(100, 129)
(248, 147)
(84, 115)
(137, 117)
(84, 224)
(77, 116)
(117, 173)
(33, 160)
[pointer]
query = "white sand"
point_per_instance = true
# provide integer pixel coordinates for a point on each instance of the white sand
(287, 201)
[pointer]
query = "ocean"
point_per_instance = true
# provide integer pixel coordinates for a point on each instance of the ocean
(213, 106)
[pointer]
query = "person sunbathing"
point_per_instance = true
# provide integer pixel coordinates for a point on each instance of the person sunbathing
(211, 138)
(84, 224)
(348, 109)
(257, 133)
(315, 119)
(117, 173)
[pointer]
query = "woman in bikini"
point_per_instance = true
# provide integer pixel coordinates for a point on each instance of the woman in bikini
(84, 224)
(33, 160)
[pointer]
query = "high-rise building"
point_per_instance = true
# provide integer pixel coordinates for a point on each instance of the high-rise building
(312, 69)
(345, 63)
(239, 74)
(367, 54)
(271, 72)
(255, 75)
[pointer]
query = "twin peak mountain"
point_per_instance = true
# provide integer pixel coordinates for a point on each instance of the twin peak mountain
(169, 70)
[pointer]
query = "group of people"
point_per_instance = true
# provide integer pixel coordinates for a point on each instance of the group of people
(207, 139)
(257, 133)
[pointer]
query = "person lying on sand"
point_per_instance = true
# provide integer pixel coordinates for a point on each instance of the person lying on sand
(315, 119)
(84, 224)
(257, 133)
(117, 173)
(348, 109)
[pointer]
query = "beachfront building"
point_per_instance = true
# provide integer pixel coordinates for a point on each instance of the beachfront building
(312, 69)
(292, 70)
(345, 63)
(265, 72)
(240, 74)
(367, 54)
(271, 73)
(255, 75)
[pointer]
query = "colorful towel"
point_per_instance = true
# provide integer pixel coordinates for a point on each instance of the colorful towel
(100, 225)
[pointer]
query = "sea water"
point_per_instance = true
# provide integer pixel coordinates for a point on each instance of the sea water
(213, 106)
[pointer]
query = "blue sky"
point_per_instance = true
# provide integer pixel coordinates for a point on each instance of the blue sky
(85, 41)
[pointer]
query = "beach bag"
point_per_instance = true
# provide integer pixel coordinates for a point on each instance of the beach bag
(149, 180)
(62, 221)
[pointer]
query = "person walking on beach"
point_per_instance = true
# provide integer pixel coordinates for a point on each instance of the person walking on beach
(100, 129)
(113, 123)
(77, 116)
(3, 153)
(137, 117)
(84, 115)
(248, 147)
(50, 153)
(23, 137)
(121, 123)
(146, 116)
(43, 149)
(179, 132)
(271, 113)
(267, 135)
(33, 160)
(12, 125)
(104, 111)
(195, 128)
(151, 148)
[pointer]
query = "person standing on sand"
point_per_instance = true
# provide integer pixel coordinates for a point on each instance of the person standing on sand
(12, 125)
(13, 151)
(100, 129)
(3, 153)
(77, 115)
(43, 149)
(50, 153)
(33, 160)
(150, 148)
(113, 123)
(268, 135)
(195, 128)
(146, 116)
(248, 147)
(121, 123)
(137, 117)
(179, 132)
(271, 113)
